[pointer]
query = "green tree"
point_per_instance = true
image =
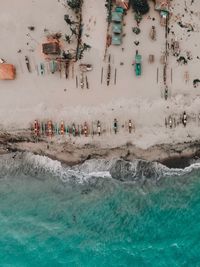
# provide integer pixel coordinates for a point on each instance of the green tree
(140, 6)
(75, 4)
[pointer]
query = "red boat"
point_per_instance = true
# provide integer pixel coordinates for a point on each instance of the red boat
(49, 128)
(62, 128)
(36, 128)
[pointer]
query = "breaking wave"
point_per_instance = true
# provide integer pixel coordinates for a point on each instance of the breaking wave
(41, 166)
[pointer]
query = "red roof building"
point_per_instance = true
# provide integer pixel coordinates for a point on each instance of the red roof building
(7, 71)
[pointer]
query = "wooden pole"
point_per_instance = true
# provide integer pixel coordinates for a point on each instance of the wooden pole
(76, 81)
(115, 76)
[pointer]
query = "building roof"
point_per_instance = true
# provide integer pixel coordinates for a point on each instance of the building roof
(117, 28)
(7, 71)
(51, 48)
(123, 3)
(116, 16)
(162, 5)
(116, 39)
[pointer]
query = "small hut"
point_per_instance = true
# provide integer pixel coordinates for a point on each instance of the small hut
(51, 48)
(122, 3)
(7, 71)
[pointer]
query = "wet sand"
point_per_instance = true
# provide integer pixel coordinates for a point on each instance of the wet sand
(177, 155)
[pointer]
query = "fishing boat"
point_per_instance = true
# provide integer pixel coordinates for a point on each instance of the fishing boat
(108, 71)
(138, 65)
(27, 63)
(53, 66)
(85, 67)
(36, 128)
(166, 93)
(49, 129)
(62, 128)
(66, 69)
(41, 68)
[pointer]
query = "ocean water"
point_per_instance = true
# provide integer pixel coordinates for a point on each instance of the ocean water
(54, 216)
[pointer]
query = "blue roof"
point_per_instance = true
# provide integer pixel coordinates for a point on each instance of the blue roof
(117, 17)
(117, 28)
(116, 39)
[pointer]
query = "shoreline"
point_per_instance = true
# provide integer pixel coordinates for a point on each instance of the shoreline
(177, 155)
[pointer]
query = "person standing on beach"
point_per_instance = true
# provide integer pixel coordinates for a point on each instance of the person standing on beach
(115, 125)
(99, 128)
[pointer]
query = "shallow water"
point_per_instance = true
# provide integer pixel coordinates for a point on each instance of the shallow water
(99, 222)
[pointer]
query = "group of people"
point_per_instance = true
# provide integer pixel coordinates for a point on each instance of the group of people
(50, 129)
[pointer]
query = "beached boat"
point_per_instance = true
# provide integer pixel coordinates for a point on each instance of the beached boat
(36, 128)
(41, 69)
(85, 67)
(49, 128)
(27, 63)
(62, 128)
(138, 67)
(53, 66)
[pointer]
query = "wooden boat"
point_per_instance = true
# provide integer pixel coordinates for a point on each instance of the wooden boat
(151, 58)
(41, 68)
(27, 63)
(85, 129)
(166, 93)
(138, 65)
(153, 33)
(170, 121)
(108, 71)
(73, 129)
(53, 66)
(36, 128)
(82, 80)
(184, 120)
(62, 128)
(85, 67)
(49, 129)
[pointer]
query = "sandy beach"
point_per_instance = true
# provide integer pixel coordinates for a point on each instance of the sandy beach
(53, 97)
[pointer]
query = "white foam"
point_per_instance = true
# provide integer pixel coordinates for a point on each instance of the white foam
(28, 162)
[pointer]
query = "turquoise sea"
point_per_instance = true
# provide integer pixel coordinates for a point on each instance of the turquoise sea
(98, 221)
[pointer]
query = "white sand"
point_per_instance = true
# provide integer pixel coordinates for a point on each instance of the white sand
(32, 96)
